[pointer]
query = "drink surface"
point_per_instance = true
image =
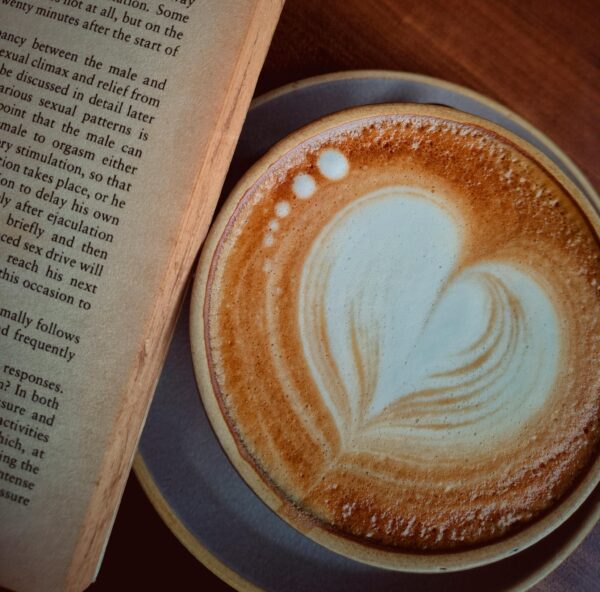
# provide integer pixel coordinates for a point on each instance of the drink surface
(402, 326)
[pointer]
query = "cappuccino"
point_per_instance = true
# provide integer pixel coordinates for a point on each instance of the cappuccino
(396, 330)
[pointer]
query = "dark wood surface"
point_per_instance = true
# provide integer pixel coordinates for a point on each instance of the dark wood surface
(540, 58)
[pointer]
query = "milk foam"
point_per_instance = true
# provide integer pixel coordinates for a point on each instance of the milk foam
(407, 346)
(333, 164)
(282, 209)
(303, 186)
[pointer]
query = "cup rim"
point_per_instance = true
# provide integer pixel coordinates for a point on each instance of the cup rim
(417, 562)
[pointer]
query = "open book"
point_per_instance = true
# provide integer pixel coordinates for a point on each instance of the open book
(118, 119)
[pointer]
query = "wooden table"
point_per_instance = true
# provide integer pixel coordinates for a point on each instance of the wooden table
(540, 58)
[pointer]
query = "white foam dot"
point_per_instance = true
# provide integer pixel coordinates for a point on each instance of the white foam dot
(303, 186)
(333, 164)
(269, 240)
(282, 209)
(273, 225)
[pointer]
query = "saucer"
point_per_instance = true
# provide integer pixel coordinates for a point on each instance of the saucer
(180, 463)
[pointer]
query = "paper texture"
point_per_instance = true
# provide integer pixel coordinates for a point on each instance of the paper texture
(117, 123)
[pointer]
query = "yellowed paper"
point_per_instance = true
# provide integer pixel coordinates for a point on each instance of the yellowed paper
(117, 122)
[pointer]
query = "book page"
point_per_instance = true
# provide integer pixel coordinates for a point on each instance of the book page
(117, 123)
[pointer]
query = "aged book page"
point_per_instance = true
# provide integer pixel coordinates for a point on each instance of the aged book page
(118, 119)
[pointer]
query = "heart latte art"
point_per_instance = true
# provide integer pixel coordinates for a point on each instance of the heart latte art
(401, 330)
(405, 348)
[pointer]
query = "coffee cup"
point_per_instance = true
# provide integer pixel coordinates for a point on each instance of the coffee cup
(395, 329)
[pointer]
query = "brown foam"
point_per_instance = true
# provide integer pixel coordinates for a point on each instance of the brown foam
(513, 211)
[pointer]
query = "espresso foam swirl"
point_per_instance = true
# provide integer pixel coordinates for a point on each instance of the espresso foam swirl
(402, 330)
(399, 347)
